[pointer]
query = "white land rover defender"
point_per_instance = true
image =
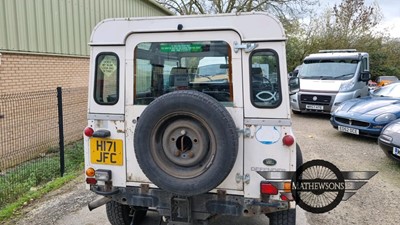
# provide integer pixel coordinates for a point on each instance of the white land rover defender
(188, 116)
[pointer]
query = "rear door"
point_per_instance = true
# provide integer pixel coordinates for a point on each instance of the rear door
(266, 114)
(160, 63)
(106, 99)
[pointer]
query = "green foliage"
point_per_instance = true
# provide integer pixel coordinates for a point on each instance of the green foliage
(27, 176)
(9, 210)
(349, 25)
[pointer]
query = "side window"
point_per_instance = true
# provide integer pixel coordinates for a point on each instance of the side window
(264, 79)
(106, 79)
(364, 64)
(163, 67)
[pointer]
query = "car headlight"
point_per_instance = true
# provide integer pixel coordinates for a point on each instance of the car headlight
(385, 118)
(393, 127)
(339, 108)
(346, 86)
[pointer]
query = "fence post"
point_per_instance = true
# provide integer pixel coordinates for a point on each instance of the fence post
(61, 130)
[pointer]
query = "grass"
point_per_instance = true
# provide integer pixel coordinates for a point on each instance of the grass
(35, 178)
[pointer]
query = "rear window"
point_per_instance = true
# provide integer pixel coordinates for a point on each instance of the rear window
(162, 67)
(106, 79)
(265, 79)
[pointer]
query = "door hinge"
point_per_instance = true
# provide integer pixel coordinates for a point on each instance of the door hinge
(246, 132)
(248, 47)
(243, 178)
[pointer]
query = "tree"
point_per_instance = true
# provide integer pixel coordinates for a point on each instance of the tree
(348, 25)
(280, 8)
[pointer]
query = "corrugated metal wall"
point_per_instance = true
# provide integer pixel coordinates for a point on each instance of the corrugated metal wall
(61, 26)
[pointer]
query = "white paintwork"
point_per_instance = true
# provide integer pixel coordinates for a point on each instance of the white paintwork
(122, 36)
(320, 85)
(253, 26)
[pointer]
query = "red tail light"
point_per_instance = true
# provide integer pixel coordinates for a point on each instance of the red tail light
(88, 131)
(269, 189)
(90, 180)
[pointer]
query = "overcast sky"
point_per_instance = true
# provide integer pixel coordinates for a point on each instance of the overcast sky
(389, 8)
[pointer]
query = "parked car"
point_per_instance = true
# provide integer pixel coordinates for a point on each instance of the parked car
(368, 115)
(385, 80)
(389, 140)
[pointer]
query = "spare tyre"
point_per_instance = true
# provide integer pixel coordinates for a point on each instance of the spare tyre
(186, 142)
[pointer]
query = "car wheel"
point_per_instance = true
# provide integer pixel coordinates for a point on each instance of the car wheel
(119, 214)
(299, 156)
(186, 142)
(287, 217)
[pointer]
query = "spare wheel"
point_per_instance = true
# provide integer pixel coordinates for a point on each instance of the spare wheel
(186, 142)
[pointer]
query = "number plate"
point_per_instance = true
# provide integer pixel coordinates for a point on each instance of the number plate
(349, 130)
(316, 107)
(106, 151)
(396, 151)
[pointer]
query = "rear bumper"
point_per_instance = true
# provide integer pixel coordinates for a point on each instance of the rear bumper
(202, 205)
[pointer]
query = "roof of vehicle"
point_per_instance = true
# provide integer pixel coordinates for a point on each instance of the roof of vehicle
(254, 26)
(336, 55)
(390, 78)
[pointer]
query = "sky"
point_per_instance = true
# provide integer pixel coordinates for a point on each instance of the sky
(390, 10)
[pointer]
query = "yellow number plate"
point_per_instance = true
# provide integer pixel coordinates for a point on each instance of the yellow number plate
(106, 151)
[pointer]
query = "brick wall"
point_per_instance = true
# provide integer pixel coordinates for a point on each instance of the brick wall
(26, 72)
(28, 104)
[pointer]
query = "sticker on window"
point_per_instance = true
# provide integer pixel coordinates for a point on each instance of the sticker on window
(108, 65)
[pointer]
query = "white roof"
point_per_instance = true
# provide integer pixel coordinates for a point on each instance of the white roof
(255, 26)
(331, 55)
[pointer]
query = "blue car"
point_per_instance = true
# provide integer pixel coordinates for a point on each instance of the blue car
(368, 115)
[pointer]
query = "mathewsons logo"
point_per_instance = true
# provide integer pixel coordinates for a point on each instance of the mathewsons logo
(319, 186)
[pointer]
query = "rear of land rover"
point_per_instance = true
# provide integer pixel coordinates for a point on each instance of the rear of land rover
(162, 135)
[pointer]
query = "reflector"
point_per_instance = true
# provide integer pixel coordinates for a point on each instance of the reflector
(88, 131)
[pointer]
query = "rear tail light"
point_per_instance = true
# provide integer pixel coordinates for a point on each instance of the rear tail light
(88, 131)
(268, 188)
(91, 180)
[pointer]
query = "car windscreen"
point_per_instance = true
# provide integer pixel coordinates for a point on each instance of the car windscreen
(332, 69)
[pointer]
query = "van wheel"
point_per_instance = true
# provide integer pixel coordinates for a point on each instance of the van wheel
(119, 214)
(299, 156)
(287, 217)
(186, 142)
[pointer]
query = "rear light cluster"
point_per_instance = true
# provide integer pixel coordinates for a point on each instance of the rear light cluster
(97, 175)
(282, 188)
(90, 173)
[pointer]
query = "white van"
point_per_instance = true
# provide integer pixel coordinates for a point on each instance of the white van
(328, 78)
(167, 134)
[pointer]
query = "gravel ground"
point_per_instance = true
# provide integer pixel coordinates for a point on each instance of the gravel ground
(375, 203)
